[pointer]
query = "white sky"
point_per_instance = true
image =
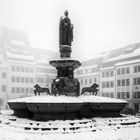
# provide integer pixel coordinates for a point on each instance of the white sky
(99, 25)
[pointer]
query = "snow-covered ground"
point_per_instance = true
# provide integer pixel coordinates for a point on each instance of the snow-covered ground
(123, 128)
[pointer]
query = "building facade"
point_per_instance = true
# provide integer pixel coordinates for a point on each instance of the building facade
(118, 74)
(21, 66)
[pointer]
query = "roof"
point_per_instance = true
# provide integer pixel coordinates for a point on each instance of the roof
(130, 52)
(94, 61)
(114, 53)
(128, 62)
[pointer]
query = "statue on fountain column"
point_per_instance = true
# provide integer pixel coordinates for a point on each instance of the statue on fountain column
(65, 30)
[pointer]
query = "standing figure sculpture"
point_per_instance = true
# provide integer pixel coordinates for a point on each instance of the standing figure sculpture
(65, 30)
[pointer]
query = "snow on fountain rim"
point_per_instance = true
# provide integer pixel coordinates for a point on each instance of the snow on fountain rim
(99, 99)
(67, 99)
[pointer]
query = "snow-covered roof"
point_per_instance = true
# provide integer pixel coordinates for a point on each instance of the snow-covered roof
(44, 60)
(87, 74)
(94, 61)
(108, 68)
(19, 56)
(128, 62)
(87, 67)
(125, 52)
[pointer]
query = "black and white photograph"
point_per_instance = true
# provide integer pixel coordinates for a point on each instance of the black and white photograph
(69, 70)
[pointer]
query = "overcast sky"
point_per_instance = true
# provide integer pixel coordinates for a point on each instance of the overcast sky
(99, 25)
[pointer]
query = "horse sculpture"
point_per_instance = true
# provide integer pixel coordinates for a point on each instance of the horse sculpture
(39, 90)
(94, 89)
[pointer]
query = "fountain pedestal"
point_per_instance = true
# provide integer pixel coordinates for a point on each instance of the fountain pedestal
(65, 83)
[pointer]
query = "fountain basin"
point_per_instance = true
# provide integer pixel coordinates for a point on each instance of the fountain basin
(65, 63)
(53, 108)
(62, 107)
(20, 109)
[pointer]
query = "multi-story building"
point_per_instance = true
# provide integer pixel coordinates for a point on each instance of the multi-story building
(44, 73)
(21, 66)
(119, 74)
(3, 86)
(107, 82)
(88, 73)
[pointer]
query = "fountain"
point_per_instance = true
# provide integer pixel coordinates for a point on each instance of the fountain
(65, 101)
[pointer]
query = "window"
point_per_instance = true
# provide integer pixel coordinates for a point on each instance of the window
(13, 90)
(17, 68)
(3, 88)
(127, 82)
(22, 69)
(107, 74)
(103, 84)
(111, 95)
(13, 68)
(123, 82)
(107, 94)
(22, 90)
(118, 83)
(118, 71)
(103, 94)
(111, 73)
(79, 72)
(88, 70)
(118, 95)
(103, 74)
(17, 79)
(31, 90)
(13, 79)
(27, 80)
(31, 80)
(107, 84)
(127, 95)
(123, 70)
(27, 70)
(3, 75)
(90, 81)
(27, 90)
(111, 84)
(136, 81)
(135, 69)
(93, 70)
(123, 95)
(17, 90)
(31, 70)
(85, 81)
(136, 95)
(22, 79)
(127, 70)
(139, 68)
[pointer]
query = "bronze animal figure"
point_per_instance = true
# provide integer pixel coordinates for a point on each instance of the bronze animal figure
(92, 89)
(39, 90)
